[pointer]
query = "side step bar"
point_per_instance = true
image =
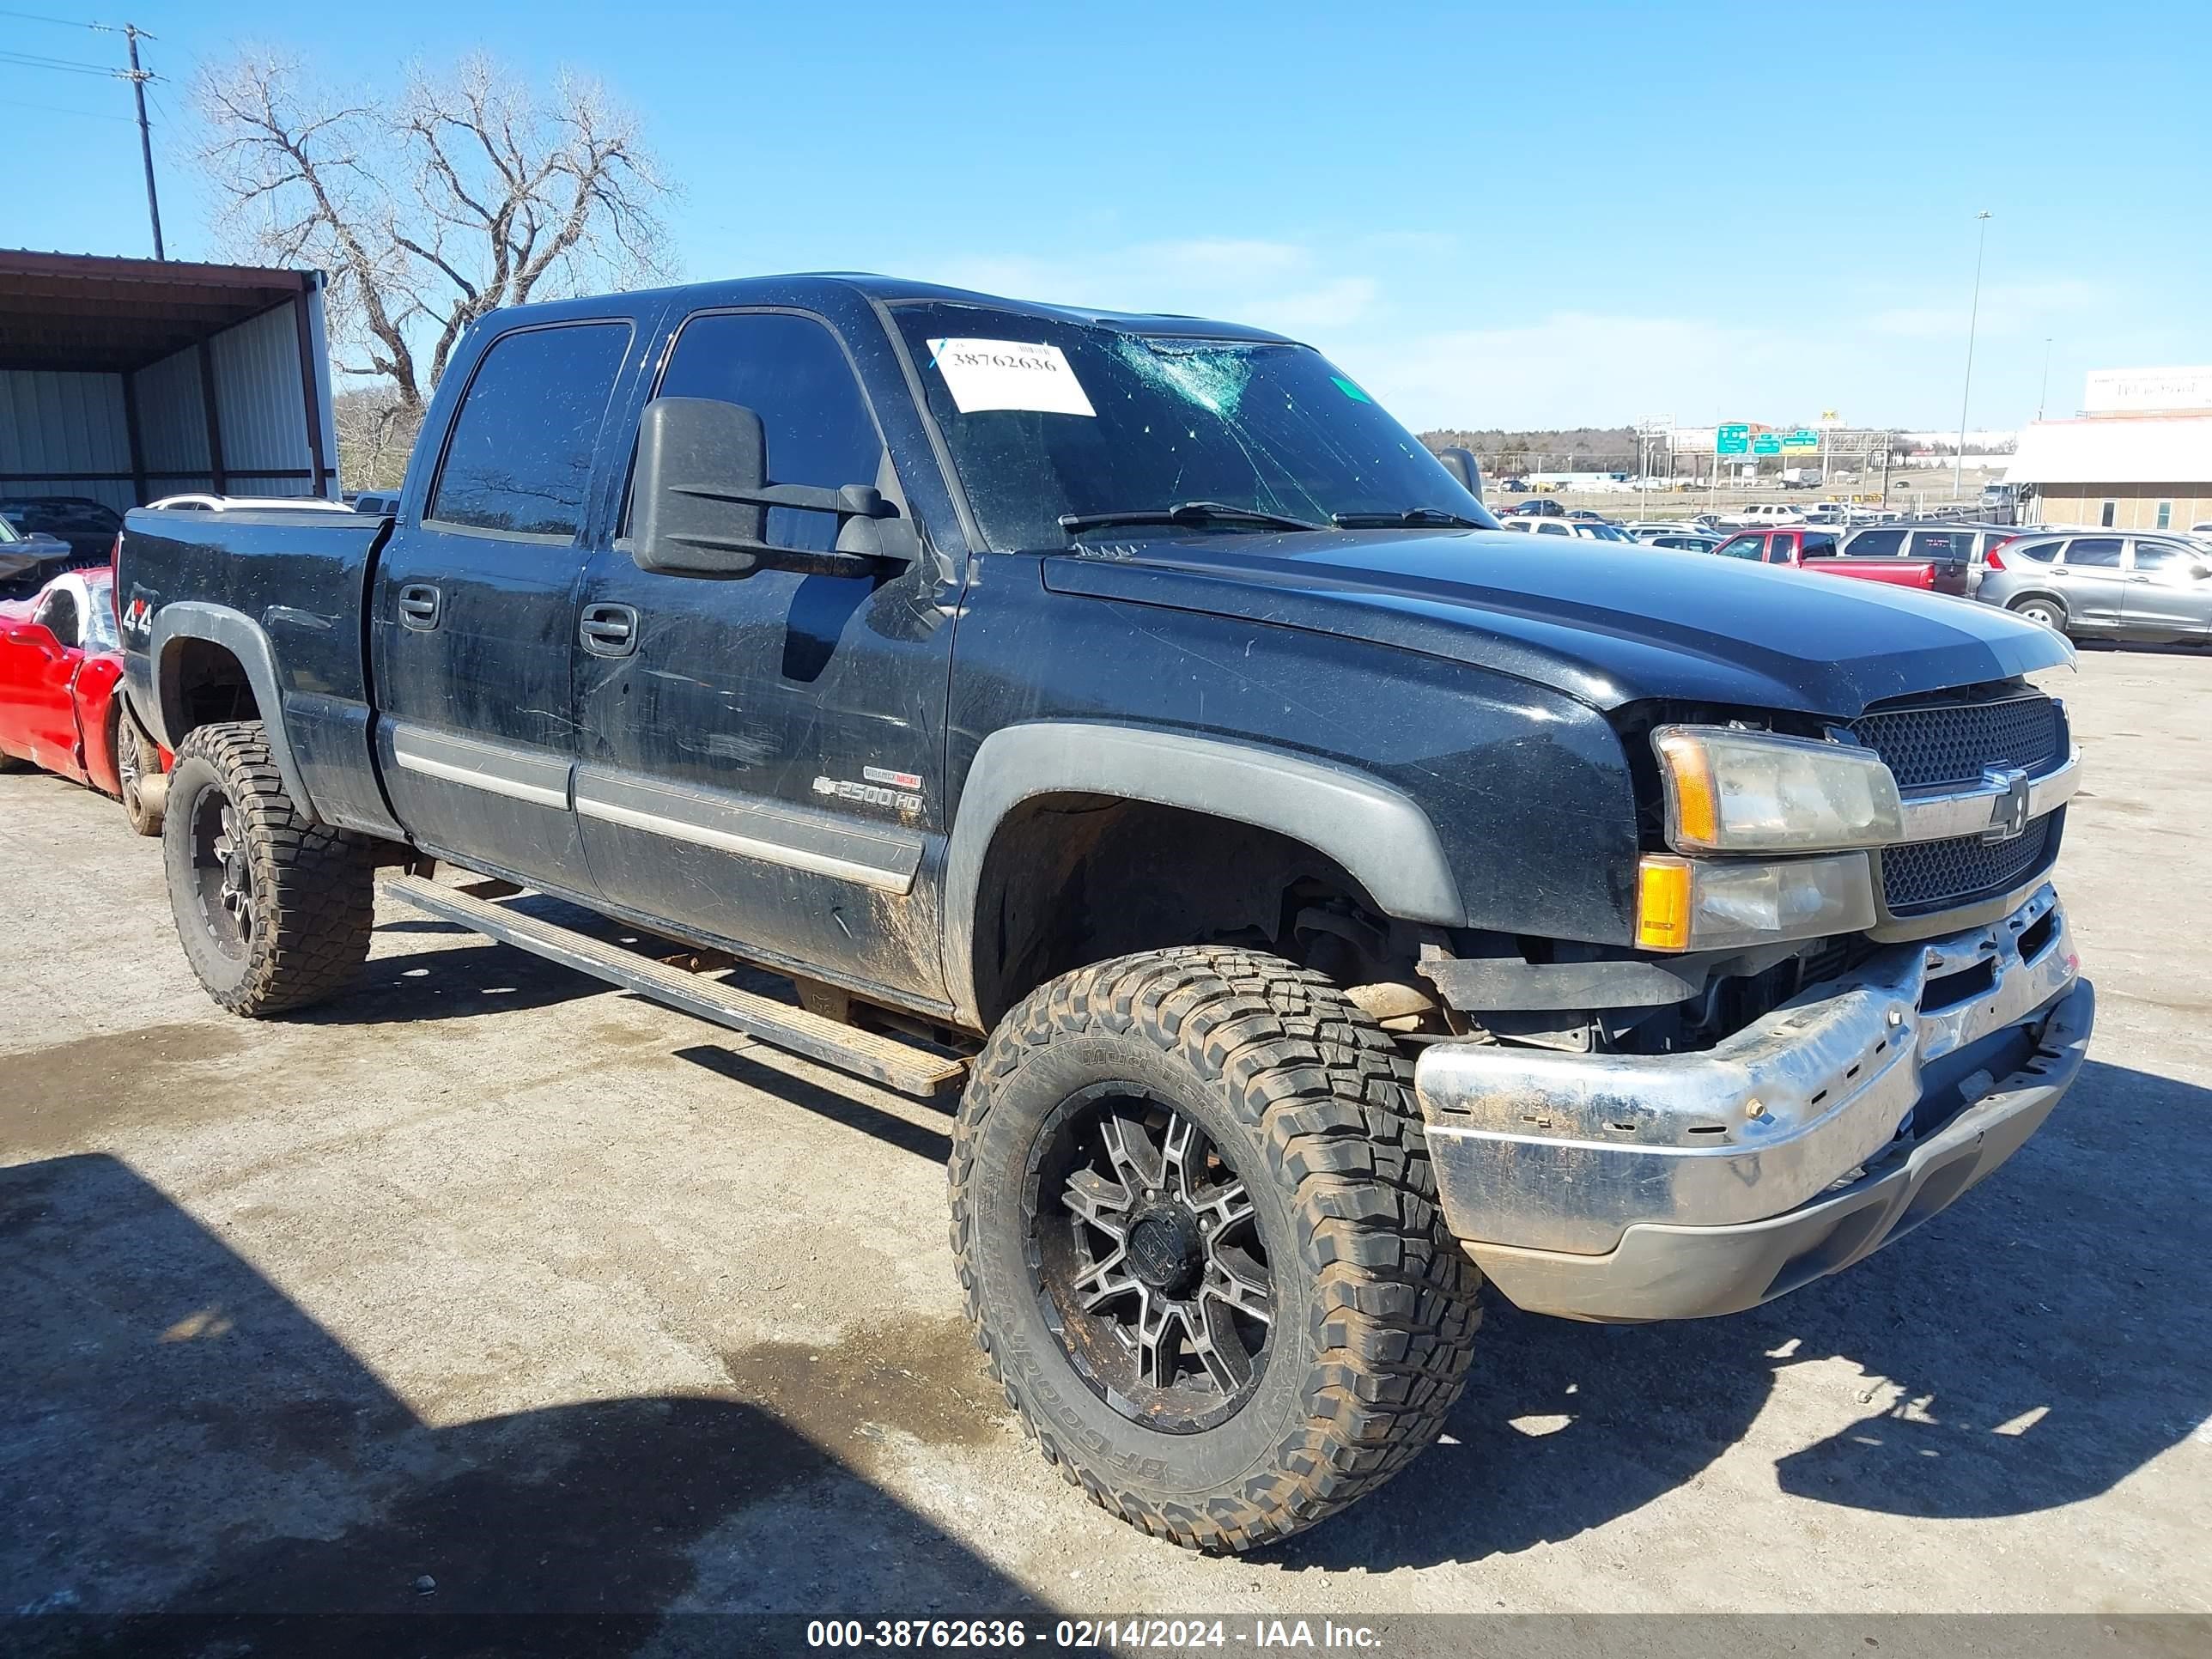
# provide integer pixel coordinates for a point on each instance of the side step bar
(896, 1065)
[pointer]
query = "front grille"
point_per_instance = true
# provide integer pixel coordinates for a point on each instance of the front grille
(1921, 877)
(1951, 745)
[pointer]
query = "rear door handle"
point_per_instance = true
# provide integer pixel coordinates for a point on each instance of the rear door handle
(419, 605)
(608, 630)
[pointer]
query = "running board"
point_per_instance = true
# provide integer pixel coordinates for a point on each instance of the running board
(884, 1060)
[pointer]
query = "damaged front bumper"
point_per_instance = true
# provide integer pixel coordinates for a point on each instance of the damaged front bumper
(1630, 1188)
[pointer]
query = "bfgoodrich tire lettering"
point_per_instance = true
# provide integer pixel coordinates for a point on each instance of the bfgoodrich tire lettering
(273, 914)
(1311, 1105)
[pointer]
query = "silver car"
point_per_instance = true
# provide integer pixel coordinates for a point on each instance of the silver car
(2096, 584)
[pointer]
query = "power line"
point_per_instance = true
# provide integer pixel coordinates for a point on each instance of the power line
(75, 65)
(61, 109)
(41, 18)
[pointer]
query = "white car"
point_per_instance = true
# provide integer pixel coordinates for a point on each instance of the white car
(1764, 515)
(192, 503)
(1588, 529)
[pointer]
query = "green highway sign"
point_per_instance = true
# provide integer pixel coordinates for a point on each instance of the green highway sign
(1766, 443)
(1803, 438)
(1733, 438)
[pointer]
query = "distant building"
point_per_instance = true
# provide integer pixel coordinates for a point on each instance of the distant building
(2138, 457)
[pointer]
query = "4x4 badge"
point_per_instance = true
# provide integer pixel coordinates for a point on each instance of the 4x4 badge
(2009, 812)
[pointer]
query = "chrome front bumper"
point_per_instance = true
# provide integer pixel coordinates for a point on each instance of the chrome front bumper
(1620, 1187)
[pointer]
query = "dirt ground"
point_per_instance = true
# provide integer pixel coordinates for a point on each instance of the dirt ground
(491, 1288)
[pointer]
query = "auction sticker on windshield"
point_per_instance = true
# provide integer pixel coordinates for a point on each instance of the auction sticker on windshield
(982, 374)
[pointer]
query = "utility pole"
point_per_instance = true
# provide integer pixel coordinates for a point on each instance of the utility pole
(138, 77)
(1973, 317)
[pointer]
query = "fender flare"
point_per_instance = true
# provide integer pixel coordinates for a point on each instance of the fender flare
(239, 634)
(1376, 831)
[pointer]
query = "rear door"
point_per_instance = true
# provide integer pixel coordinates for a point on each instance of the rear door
(2168, 592)
(763, 757)
(2092, 582)
(473, 618)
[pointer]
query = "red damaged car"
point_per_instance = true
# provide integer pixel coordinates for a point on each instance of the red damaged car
(60, 663)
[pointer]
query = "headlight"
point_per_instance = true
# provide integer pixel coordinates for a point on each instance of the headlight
(1749, 792)
(1698, 905)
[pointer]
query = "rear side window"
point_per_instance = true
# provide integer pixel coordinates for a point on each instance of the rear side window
(1942, 543)
(1819, 547)
(1876, 543)
(2041, 552)
(2093, 553)
(790, 372)
(520, 461)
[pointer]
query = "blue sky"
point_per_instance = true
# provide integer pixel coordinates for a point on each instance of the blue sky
(1516, 216)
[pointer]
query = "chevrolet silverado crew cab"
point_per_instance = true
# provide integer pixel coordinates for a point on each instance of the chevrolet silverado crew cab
(1320, 899)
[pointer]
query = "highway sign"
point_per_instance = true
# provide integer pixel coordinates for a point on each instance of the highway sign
(1733, 438)
(1766, 443)
(1803, 438)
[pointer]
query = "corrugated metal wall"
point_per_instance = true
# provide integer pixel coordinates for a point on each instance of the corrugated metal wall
(262, 404)
(59, 426)
(53, 426)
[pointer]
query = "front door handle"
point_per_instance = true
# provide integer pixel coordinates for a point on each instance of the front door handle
(419, 605)
(608, 630)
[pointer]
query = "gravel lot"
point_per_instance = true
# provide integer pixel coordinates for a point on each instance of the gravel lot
(490, 1275)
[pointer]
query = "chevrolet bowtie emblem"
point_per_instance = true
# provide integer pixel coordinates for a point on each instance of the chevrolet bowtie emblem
(2009, 811)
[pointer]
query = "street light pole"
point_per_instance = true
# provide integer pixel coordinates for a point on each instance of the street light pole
(1973, 317)
(2044, 396)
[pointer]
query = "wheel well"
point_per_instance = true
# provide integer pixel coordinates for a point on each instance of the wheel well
(1071, 879)
(2033, 597)
(201, 682)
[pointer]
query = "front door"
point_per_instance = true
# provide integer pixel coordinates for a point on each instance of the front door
(762, 758)
(2169, 594)
(474, 616)
(40, 713)
(2092, 582)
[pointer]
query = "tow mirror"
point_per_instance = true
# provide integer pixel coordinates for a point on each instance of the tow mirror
(1463, 466)
(700, 499)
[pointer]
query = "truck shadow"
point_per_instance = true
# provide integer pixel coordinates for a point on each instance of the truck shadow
(2027, 1349)
(184, 1440)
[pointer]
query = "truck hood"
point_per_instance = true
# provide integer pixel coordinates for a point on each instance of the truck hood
(1603, 622)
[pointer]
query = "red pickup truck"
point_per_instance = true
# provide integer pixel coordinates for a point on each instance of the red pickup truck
(1810, 548)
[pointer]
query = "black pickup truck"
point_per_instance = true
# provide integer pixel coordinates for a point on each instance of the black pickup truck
(1319, 899)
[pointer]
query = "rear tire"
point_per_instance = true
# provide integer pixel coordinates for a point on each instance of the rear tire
(1288, 1372)
(136, 755)
(2049, 612)
(273, 914)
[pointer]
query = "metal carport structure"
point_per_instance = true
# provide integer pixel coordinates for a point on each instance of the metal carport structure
(125, 380)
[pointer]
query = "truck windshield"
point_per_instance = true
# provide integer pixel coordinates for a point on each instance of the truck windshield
(1050, 420)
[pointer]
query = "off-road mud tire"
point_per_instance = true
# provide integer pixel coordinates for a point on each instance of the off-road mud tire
(314, 887)
(1376, 1304)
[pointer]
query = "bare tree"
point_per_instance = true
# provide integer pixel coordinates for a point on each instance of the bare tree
(375, 433)
(464, 193)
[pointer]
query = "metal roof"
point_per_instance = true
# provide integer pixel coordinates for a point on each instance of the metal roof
(87, 313)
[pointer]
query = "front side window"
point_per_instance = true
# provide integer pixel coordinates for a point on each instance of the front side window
(2093, 553)
(59, 613)
(1049, 418)
(2150, 556)
(1742, 547)
(790, 372)
(520, 461)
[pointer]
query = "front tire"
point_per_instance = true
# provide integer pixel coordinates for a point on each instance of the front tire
(274, 915)
(1198, 1236)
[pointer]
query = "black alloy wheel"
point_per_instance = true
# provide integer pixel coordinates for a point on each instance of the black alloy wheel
(1146, 1259)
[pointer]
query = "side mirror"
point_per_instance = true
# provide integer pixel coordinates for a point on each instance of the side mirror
(37, 635)
(1463, 466)
(701, 496)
